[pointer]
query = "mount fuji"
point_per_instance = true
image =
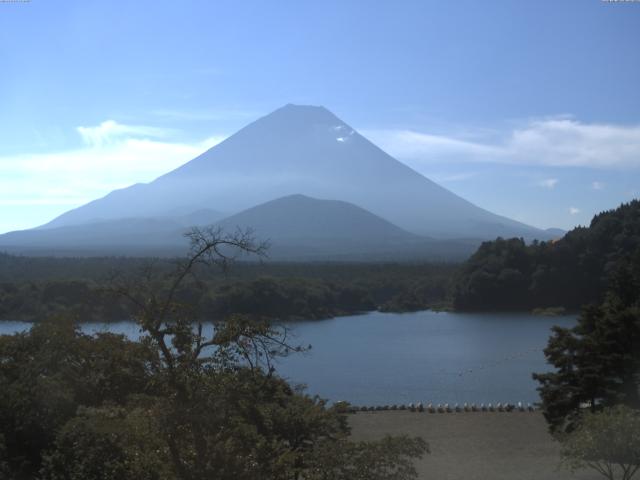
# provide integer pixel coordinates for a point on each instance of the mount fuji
(294, 152)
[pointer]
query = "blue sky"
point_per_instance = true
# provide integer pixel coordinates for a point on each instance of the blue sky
(528, 109)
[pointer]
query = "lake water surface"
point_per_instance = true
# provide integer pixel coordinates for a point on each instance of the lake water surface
(385, 358)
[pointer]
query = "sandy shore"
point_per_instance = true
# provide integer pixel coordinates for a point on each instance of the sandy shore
(474, 446)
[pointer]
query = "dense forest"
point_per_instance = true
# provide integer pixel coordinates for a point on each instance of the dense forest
(570, 272)
(34, 288)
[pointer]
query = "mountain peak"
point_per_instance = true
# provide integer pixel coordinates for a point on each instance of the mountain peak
(301, 106)
(303, 114)
(291, 107)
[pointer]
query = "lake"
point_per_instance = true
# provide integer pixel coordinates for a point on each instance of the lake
(430, 357)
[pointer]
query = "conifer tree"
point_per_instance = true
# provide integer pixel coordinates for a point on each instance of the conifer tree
(598, 361)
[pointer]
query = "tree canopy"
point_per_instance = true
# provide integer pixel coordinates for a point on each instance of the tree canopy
(607, 442)
(570, 272)
(35, 288)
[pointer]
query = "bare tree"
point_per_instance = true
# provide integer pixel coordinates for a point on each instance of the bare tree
(174, 327)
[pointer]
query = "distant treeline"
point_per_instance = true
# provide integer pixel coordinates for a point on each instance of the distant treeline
(37, 288)
(570, 272)
(501, 275)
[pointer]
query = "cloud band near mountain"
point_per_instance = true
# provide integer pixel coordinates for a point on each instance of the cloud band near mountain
(562, 142)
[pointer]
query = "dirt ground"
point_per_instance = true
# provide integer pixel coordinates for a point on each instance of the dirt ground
(474, 446)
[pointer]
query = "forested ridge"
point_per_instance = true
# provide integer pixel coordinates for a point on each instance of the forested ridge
(570, 272)
(33, 288)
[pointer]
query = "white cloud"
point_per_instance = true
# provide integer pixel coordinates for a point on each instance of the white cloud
(574, 210)
(566, 142)
(407, 144)
(552, 142)
(115, 156)
(110, 131)
(597, 185)
(548, 183)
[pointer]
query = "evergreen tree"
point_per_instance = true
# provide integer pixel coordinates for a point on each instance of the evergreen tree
(598, 361)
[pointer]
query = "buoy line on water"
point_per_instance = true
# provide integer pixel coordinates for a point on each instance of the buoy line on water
(440, 408)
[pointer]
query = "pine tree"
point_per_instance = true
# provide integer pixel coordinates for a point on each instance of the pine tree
(598, 361)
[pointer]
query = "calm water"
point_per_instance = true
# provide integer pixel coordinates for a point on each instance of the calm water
(385, 358)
